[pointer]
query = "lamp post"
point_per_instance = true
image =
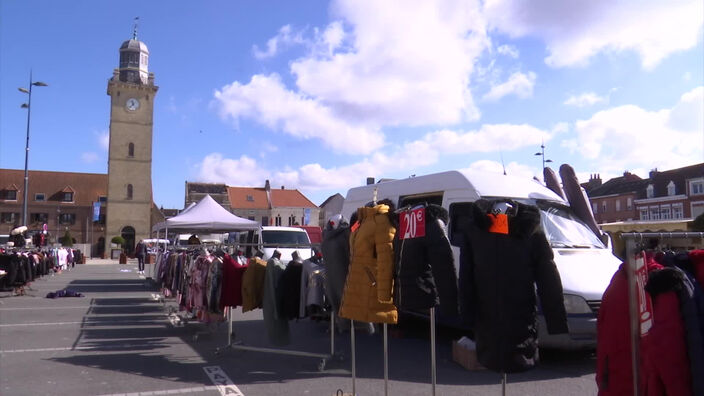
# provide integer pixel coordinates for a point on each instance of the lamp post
(542, 154)
(27, 106)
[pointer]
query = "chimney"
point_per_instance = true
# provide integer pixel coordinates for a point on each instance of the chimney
(370, 181)
(282, 187)
(653, 173)
(267, 186)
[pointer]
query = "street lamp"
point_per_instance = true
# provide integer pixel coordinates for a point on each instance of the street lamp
(542, 154)
(27, 106)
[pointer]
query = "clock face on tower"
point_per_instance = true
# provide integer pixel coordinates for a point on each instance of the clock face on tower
(132, 104)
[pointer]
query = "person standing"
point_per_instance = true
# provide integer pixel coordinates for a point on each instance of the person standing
(140, 252)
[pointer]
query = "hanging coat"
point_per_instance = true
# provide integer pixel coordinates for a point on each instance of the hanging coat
(274, 320)
(253, 284)
(425, 266)
(336, 256)
(232, 274)
(367, 296)
(289, 289)
(499, 269)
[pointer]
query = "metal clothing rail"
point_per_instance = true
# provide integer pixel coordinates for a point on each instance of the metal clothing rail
(324, 358)
(632, 240)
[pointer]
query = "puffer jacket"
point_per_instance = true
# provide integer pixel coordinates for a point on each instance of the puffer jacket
(498, 274)
(425, 267)
(367, 296)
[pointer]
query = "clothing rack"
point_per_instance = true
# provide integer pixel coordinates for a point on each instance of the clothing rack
(324, 358)
(633, 239)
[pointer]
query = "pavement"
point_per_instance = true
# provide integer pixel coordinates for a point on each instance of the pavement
(119, 339)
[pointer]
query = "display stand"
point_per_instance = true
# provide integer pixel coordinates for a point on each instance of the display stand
(433, 370)
(354, 363)
(632, 239)
(239, 345)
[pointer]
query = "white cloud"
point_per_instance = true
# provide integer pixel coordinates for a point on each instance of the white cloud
(89, 157)
(402, 63)
(508, 50)
(518, 84)
(577, 31)
(285, 37)
(408, 157)
(585, 99)
(628, 137)
(104, 140)
(235, 172)
(266, 100)
(512, 168)
(489, 138)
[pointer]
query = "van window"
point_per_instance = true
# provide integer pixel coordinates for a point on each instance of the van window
(416, 199)
(564, 229)
(291, 238)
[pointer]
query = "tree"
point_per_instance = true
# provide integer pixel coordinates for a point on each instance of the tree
(66, 240)
(120, 241)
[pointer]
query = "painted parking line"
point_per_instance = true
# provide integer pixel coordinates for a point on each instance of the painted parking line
(183, 391)
(223, 383)
(92, 323)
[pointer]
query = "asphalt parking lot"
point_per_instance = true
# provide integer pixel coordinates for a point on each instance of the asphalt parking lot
(118, 340)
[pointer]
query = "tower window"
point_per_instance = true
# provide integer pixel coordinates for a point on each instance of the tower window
(130, 150)
(129, 191)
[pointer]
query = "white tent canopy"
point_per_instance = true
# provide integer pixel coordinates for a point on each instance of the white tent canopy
(206, 216)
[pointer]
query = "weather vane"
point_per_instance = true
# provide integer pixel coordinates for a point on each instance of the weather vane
(134, 32)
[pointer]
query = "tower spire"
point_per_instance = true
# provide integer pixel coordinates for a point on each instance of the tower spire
(134, 31)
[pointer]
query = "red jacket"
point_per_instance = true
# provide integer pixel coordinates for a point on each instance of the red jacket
(232, 272)
(664, 366)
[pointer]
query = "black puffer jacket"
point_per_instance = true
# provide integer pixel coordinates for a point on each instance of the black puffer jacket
(425, 268)
(498, 273)
(336, 258)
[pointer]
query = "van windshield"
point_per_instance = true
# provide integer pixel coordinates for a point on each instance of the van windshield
(564, 229)
(292, 238)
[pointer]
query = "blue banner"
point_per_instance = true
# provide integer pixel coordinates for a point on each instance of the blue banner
(306, 216)
(96, 211)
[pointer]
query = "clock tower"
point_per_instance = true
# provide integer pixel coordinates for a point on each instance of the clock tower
(132, 91)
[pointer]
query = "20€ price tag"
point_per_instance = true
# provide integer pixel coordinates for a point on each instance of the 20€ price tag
(412, 223)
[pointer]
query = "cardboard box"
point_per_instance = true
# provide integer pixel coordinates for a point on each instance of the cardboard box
(465, 357)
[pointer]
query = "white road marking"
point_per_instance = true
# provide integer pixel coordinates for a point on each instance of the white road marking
(224, 384)
(167, 392)
(91, 323)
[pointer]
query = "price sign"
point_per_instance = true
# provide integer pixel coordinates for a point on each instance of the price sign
(412, 224)
(645, 304)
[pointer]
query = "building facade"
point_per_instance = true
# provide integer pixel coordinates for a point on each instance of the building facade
(331, 207)
(281, 207)
(676, 194)
(132, 93)
(58, 202)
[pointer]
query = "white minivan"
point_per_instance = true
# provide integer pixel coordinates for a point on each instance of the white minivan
(585, 264)
(286, 240)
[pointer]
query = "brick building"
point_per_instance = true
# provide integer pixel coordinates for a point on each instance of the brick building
(61, 200)
(674, 194)
(279, 206)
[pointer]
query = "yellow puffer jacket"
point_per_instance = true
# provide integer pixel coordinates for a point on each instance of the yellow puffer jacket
(368, 290)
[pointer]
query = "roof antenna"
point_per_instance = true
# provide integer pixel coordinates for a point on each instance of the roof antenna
(134, 31)
(501, 153)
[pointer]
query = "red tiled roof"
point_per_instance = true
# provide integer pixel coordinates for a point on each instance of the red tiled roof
(238, 198)
(290, 199)
(87, 187)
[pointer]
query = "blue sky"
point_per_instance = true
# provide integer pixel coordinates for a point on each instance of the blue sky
(319, 95)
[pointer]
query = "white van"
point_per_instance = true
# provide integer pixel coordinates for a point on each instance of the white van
(585, 264)
(286, 240)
